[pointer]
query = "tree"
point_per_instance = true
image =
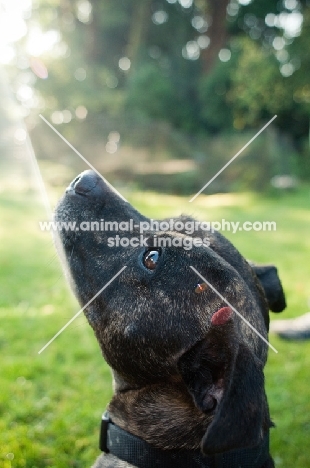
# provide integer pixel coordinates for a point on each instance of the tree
(201, 65)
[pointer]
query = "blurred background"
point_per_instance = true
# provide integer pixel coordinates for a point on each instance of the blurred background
(161, 94)
(158, 95)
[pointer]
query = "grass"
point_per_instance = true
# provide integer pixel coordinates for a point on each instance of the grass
(51, 403)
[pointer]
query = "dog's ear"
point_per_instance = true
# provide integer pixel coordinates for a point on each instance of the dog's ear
(239, 419)
(269, 279)
(226, 381)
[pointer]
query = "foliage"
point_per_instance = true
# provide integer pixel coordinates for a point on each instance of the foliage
(150, 92)
(262, 93)
(164, 61)
(214, 90)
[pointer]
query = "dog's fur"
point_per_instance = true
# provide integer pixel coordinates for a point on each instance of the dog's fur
(184, 378)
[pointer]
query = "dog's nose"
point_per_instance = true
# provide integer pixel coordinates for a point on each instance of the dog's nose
(84, 183)
(91, 185)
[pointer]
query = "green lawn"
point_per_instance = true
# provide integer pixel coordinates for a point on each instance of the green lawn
(51, 404)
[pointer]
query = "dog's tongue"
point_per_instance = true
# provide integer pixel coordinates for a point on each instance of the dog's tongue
(222, 316)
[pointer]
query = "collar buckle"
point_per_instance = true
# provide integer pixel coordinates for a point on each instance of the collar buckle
(103, 438)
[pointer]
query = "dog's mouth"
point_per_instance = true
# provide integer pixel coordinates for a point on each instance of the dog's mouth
(215, 391)
(210, 358)
(212, 399)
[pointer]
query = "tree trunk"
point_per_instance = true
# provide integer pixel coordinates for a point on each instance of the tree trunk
(138, 28)
(217, 10)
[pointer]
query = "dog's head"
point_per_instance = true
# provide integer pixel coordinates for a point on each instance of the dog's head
(156, 321)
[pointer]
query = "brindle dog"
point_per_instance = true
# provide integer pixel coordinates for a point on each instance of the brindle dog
(188, 371)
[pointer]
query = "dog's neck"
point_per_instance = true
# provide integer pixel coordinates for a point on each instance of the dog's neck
(179, 424)
(162, 414)
(176, 422)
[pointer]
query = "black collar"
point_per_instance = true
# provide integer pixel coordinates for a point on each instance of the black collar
(139, 453)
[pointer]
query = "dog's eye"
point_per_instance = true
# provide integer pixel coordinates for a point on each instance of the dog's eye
(150, 259)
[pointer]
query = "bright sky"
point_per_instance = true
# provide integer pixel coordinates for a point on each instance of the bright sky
(13, 27)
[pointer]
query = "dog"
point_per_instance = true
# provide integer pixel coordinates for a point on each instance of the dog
(183, 330)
